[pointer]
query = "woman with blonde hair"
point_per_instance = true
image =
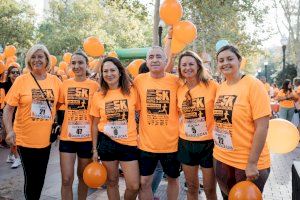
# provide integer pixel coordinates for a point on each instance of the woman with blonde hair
(195, 100)
(35, 96)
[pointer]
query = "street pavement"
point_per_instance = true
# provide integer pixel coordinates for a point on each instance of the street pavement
(278, 186)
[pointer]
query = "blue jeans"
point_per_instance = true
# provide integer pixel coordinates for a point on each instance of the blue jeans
(286, 113)
(157, 176)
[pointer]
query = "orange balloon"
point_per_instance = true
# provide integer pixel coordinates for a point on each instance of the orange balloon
(112, 54)
(94, 63)
(71, 74)
(63, 65)
(176, 46)
(134, 66)
(10, 50)
(93, 47)
(94, 175)
(67, 57)
(185, 31)
(245, 190)
(170, 11)
(2, 67)
(276, 142)
(243, 63)
(53, 60)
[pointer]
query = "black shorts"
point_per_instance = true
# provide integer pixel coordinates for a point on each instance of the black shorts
(83, 149)
(148, 162)
(110, 150)
(194, 153)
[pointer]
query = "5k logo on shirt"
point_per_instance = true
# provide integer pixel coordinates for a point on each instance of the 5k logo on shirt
(223, 109)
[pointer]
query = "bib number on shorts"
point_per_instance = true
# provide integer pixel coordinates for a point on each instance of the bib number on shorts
(79, 130)
(40, 110)
(116, 129)
(195, 127)
(222, 139)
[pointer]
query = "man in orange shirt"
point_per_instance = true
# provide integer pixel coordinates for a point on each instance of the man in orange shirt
(158, 125)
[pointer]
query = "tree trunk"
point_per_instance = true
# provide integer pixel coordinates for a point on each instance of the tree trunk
(156, 22)
(298, 58)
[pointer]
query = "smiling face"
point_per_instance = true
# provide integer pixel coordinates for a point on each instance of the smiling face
(188, 67)
(38, 62)
(14, 73)
(78, 65)
(111, 74)
(228, 63)
(156, 60)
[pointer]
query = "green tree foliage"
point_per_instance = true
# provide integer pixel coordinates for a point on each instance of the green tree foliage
(70, 22)
(290, 72)
(226, 19)
(17, 23)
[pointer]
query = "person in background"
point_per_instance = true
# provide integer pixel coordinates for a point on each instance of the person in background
(286, 98)
(35, 96)
(266, 84)
(12, 73)
(241, 125)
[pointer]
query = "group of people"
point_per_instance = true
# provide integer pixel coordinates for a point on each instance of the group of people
(187, 121)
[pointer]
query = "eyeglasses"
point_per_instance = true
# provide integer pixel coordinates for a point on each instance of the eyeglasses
(15, 72)
(188, 98)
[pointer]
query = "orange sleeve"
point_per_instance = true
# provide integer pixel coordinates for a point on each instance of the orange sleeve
(259, 101)
(95, 109)
(61, 96)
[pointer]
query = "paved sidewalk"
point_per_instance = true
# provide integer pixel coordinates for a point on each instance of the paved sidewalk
(278, 187)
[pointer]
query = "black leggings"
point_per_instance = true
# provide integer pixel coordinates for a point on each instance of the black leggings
(34, 162)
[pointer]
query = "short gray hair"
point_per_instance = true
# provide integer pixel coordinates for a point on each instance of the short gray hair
(34, 49)
(156, 47)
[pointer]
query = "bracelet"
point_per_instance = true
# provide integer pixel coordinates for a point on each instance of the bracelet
(170, 38)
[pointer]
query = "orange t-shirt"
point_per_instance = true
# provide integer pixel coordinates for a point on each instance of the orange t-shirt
(286, 103)
(236, 108)
(33, 118)
(197, 120)
(77, 97)
(117, 115)
(158, 127)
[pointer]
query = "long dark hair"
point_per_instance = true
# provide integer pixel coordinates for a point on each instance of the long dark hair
(285, 86)
(202, 74)
(124, 80)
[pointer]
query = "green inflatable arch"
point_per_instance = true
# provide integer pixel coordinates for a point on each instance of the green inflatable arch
(132, 53)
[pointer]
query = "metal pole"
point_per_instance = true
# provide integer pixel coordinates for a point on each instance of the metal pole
(266, 73)
(159, 35)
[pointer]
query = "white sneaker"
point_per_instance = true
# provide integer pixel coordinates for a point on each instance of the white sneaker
(10, 158)
(16, 163)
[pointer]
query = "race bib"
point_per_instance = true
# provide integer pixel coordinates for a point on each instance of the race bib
(195, 127)
(79, 130)
(40, 110)
(222, 139)
(116, 129)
